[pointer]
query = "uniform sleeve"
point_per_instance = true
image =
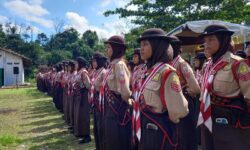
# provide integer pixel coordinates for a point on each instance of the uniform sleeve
(192, 84)
(86, 80)
(122, 80)
(244, 80)
(177, 104)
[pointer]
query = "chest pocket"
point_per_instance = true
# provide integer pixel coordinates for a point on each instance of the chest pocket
(152, 91)
(111, 81)
(224, 82)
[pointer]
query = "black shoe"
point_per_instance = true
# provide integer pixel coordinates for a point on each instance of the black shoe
(70, 128)
(84, 140)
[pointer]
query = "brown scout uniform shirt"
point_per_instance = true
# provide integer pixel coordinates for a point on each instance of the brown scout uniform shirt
(225, 84)
(119, 79)
(177, 105)
(187, 77)
(99, 78)
(82, 78)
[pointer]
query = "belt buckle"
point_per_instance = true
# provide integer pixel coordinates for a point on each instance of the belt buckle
(221, 120)
(152, 126)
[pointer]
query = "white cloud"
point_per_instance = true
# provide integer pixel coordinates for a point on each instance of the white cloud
(132, 7)
(30, 10)
(118, 3)
(3, 19)
(81, 24)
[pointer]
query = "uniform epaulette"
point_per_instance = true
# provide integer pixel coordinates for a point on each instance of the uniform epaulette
(167, 66)
(235, 57)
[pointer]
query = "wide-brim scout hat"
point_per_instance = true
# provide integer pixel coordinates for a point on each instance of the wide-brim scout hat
(175, 40)
(241, 53)
(200, 56)
(247, 43)
(72, 63)
(66, 62)
(153, 33)
(97, 55)
(82, 60)
(116, 40)
(216, 29)
(136, 51)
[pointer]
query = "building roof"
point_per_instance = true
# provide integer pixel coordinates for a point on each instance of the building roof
(26, 60)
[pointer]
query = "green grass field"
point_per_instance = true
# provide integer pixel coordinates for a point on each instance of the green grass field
(28, 121)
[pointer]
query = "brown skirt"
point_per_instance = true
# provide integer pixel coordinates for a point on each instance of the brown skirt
(71, 101)
(65, 103)
(229, 138)
(225, 137)
(81, 114)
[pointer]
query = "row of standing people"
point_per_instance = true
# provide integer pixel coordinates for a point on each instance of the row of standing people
(155, 106)
(68, 84)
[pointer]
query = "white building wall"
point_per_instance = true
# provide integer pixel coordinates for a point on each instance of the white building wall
(9, 62)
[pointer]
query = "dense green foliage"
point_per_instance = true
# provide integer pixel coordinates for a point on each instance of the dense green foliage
(44, 50)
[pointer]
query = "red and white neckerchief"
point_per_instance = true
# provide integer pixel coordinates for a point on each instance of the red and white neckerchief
(79, 78)
(136, 112)
(92, 88)
(173, 62)
(73, 80)
(137, 76)
(198, 76)
(207, 82)
(102, 88)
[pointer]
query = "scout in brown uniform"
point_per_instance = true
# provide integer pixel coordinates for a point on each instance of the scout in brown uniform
(67, 91)
(58, 88)
(190, 88)
(64, 86)
(162, 102)
(81, 104)
(71, 81)
(138, 72)
(225, 95)
(199, 61)
(117, 125)
(136, 80)
(54, 83)
(99, 64)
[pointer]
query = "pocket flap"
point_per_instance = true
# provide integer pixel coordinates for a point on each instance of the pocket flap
(153, 86)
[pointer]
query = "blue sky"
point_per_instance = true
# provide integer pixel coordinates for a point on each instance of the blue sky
(43, 15)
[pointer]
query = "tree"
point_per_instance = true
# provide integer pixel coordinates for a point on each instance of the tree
(57, 56)
(58, 25)
(60, 40)
(168, 14)
(42, 39)
(2, 37)
(90, 38)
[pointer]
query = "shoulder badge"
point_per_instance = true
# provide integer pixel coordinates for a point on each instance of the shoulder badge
(156, 77)
(227, 67)
(243, 69)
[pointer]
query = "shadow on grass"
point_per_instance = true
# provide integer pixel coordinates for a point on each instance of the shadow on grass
(5, 111)
(34, 93)
(47, 128)
(38, 123)
(43, 115)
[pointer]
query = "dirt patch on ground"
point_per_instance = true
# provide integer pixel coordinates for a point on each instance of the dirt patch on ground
(7, 110)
